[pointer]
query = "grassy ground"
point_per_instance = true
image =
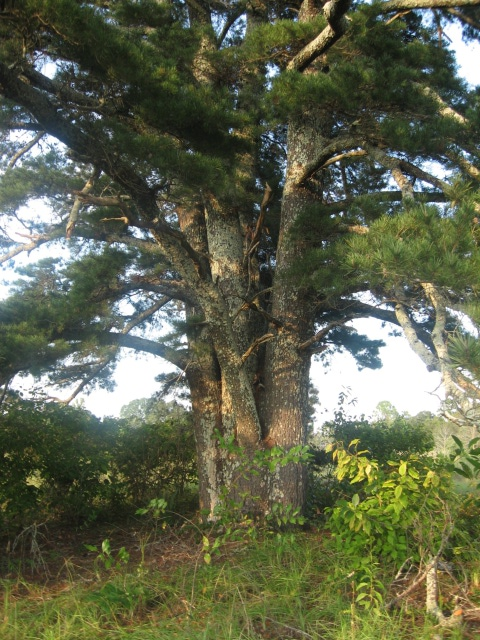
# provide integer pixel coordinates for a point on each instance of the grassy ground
(272, 589)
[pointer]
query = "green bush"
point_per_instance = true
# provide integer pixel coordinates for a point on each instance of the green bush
(55, 462)
(399, 510)
(157, 460)
(382, 440)
(63, 463)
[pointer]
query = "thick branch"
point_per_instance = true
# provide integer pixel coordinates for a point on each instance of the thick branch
(177, 358)
(63, 90)
(342, 144)
(399, 167)
(334, 11)
(36, 242)
(400, 5)
(409, 330)
(443, 108)
(416, 172)
(450, 383)
(394, 166)
(465, 165)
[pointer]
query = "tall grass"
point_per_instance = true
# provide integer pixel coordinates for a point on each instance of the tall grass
(275, 589)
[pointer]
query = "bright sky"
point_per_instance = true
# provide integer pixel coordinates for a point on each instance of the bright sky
(403, 379)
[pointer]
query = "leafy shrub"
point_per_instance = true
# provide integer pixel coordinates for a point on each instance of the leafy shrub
(400, 510)
(158, 460)
(64, 463)
(382, 440)
(55, 462)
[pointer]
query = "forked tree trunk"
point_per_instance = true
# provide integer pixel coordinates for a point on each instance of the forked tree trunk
(255, 398)
(249, 392)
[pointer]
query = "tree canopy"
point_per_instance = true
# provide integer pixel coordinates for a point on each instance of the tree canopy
(228, 185)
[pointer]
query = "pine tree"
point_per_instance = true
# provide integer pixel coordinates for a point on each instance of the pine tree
(255, 176)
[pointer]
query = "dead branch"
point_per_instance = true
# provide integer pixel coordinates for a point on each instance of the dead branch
(39, 240)
(292, 632)
(123, 219)
(77, 205)
(342, 156)
(400, 14)
(401, 596)
(267, 196)
(256, 343)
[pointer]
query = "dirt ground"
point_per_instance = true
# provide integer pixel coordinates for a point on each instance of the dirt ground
(49, 553)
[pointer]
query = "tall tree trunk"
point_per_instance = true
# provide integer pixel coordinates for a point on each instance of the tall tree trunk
(287, 373)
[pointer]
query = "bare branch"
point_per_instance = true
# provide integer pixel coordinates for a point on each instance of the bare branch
(175, 357)
(464, 18)
(409, 330)
(343, 156)
(77, 205)
(256, 343)
(25, 149)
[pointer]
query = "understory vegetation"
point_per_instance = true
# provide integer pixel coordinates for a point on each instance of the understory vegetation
(102, 536)
(295, 588)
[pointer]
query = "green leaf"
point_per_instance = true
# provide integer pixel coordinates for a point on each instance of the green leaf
(413, 473)
(458, 442)
(106, 549)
